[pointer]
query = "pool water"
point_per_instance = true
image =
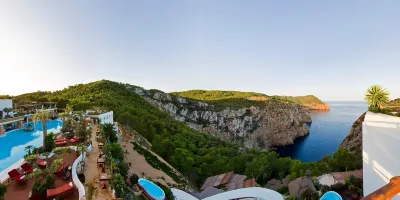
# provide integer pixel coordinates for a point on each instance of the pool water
(331, 195)
(152, 189)
(13, 143)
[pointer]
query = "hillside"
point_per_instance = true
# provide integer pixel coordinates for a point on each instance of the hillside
(195, 154)
(222, 99)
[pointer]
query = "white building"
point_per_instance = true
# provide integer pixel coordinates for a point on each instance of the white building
(5, 103)
(106, 118)
(381, 139)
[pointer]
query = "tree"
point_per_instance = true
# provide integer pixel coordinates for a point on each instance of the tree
(7, 110)
(42, 116)
(28, 149)
(377, 96)
(108, 132)
(44, 177)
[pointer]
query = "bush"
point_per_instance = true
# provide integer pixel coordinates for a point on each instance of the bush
(283, 190)
(50, 144)
(134, 179)
(355, 184)
(116, 151)
(3, 191)
(310, 195)
(123, 169)
(38, 187)
(118, 184)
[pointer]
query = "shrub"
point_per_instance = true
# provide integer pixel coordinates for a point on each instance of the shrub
(50, 144)
(115, 150)
(310, 195)
(283, 190)
(118, 184)
(39, 187)
(123, 169)
(3, 191)
(134, 179)
(355, 184)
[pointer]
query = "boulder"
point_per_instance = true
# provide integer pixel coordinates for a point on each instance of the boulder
(301, 185)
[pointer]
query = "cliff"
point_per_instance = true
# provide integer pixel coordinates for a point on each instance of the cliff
(353, 141)
(275, 123)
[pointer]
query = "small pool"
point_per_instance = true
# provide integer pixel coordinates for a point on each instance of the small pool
(13, 143)
(331, 196)
(152, 189)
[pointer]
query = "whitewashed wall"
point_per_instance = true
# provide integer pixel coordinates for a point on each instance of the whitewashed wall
(107, 118)
(381, 147)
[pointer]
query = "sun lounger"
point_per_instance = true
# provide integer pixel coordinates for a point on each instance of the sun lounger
(41, 163)
(62, 143)
(15, 175)
(61, 167)
(27, 168)
(51, 193)
(75, 139)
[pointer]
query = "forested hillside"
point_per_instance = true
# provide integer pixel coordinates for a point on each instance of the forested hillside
(243, 99)
(194, 154)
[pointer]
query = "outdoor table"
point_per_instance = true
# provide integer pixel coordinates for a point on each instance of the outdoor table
(104, 177)
(100, 161)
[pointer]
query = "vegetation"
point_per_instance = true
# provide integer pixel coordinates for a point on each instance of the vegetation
(108, 132)
(42, 116)
(3, 191)
(235, 99)
(49, 142)
(355, 184)
(44, 177)
(156, 163)
(195, 155)
(7, 111)
(133, 179)
(376, 96)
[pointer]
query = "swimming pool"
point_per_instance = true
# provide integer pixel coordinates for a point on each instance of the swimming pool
(331, 195)
(152, 189)
(13, 143)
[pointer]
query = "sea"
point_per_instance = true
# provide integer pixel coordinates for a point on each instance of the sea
(327, 131)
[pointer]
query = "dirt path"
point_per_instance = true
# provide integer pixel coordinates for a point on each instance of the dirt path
(139, 164)
(92, 172)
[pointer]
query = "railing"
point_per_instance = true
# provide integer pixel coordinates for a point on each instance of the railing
(12, 119)
(75, 179)
(386, 192)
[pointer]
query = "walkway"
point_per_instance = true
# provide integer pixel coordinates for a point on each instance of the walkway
(92, 173)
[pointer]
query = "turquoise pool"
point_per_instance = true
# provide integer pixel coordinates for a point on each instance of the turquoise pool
(152, 189)
(13, 143)
(331, 195)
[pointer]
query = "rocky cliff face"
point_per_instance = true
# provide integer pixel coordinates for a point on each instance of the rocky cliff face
(276, 124)
(353, 141)
(316, 106)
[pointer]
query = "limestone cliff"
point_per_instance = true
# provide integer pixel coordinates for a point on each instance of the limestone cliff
(353, 141)
(317, 106)
(274, 124)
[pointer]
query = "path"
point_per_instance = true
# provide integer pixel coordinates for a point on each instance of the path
(139, 164)
(92, 172)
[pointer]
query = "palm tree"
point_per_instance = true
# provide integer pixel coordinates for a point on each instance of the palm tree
(377, 96)
(42, 116)
(28, 149)
(41, 175)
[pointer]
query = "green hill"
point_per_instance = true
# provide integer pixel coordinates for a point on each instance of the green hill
(236, 99)
(194, 154)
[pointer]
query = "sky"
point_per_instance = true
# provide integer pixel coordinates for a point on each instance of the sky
(332, 49)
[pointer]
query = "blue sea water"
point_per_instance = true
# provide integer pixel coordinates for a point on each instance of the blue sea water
(12, 145)
(327, 131)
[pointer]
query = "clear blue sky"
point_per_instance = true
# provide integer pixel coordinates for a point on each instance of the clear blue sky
(333, 49)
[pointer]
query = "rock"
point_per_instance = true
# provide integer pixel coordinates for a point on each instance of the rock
(327, 179)
(301, 185)
(317, 106)
(275, 124)
(353, 141)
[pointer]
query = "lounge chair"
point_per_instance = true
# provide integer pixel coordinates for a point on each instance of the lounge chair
(41, 163)
(15, 175)
(75, 139)
(27, 168)
(61, 167)
(61, 139)
(51, 193)
(62, 143)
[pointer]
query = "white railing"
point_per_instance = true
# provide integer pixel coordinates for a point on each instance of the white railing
(75, 179)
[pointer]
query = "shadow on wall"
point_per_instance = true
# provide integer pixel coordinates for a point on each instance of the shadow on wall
(381, 147)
